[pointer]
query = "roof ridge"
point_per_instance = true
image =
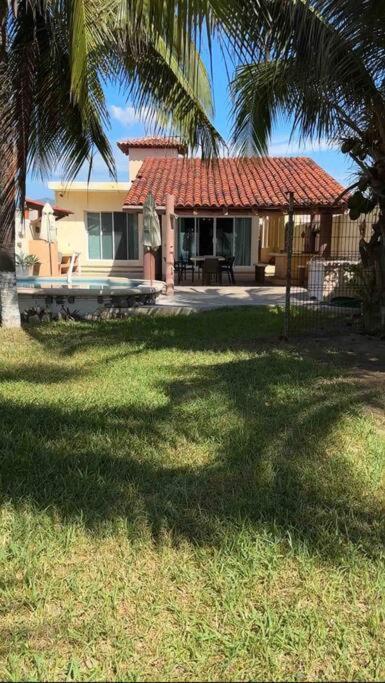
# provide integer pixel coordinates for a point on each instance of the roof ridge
(153, 142)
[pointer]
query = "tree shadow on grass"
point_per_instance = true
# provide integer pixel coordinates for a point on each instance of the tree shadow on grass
(217, 329)
(248, 442)
(36, 374)
(244, 328)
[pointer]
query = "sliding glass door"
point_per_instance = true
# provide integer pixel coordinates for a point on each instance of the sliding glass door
(112, 236)
(186, 238)
(224, 237)
(242, 241)
(218, 236)
(205, 232)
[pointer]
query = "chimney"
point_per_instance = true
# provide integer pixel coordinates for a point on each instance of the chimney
(139, 149)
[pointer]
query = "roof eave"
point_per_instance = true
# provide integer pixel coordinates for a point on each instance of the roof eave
(256, 210)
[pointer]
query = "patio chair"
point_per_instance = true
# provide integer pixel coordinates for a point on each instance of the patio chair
(188, 266)
(178, 269)
(181, 267)
(212, 271)
(227, 267)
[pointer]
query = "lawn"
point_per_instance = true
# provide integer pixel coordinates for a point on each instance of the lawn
(187, 498)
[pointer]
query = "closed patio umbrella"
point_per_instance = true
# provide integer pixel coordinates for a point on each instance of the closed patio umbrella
(48, 230)
(151, 236)
(151, 226)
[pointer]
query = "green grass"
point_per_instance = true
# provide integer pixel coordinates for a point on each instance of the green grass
(186, 498)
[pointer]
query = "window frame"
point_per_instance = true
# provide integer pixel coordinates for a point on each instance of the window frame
(135, 261)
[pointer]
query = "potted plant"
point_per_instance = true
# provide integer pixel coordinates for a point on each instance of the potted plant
(27, 265)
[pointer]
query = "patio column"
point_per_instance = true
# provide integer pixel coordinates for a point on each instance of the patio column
(325, 235)
(170, 244)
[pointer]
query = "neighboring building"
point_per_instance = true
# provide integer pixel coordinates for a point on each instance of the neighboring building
(224, 207)
(30, 237)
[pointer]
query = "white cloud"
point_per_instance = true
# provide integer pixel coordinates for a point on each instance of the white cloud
(287, 147)
(128, 116)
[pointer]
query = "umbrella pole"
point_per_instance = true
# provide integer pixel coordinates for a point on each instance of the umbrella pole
(170, 244)
(148, 264)
(50, 257)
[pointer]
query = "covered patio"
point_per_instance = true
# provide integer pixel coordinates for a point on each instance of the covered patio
(230, 215)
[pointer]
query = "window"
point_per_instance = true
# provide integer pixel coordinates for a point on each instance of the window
(94, 244)
(112, 236)
(220, 236)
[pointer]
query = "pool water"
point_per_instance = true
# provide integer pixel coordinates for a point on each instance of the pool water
(85, 283)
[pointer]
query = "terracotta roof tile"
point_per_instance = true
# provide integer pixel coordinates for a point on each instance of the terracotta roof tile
(153, 143)
(37, 204)
(258, 183)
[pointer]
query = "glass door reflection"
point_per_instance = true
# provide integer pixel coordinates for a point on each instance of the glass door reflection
(205, 235)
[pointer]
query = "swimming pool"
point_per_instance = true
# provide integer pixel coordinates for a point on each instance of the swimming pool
(90, 297)
(78, 283)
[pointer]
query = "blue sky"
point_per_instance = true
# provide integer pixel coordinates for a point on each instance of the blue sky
(126, 122)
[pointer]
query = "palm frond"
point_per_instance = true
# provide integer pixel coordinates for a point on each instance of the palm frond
(175, 94)
(313, 64)
(57, 56)
(259, 92)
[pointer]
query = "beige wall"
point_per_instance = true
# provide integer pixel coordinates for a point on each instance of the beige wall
(72, 232)
(346, 234)
(28, 242)
(24, 233)
(273, 235)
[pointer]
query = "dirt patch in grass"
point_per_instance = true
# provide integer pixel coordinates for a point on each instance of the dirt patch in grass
(361, 357)
(356, 351)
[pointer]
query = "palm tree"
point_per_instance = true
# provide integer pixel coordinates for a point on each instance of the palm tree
(322, 63)
(55, 58)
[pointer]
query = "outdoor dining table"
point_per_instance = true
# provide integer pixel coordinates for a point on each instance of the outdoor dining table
(199, 259)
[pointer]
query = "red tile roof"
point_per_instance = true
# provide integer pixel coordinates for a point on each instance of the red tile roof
(258, 183)
(153, 143)
(39, 206)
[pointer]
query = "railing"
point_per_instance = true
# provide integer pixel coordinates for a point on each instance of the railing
(75, 254)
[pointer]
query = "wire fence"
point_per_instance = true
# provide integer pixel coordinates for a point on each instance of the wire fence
(326, 282)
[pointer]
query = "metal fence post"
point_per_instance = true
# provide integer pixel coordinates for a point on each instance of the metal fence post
(289, 245)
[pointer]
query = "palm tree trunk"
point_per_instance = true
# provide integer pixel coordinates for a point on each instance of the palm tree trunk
(380, 265)
(373, 273)
(9, 307)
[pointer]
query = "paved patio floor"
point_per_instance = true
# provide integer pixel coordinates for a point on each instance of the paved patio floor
(199, 297)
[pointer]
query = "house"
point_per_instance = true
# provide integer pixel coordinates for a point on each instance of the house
(227, 206)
